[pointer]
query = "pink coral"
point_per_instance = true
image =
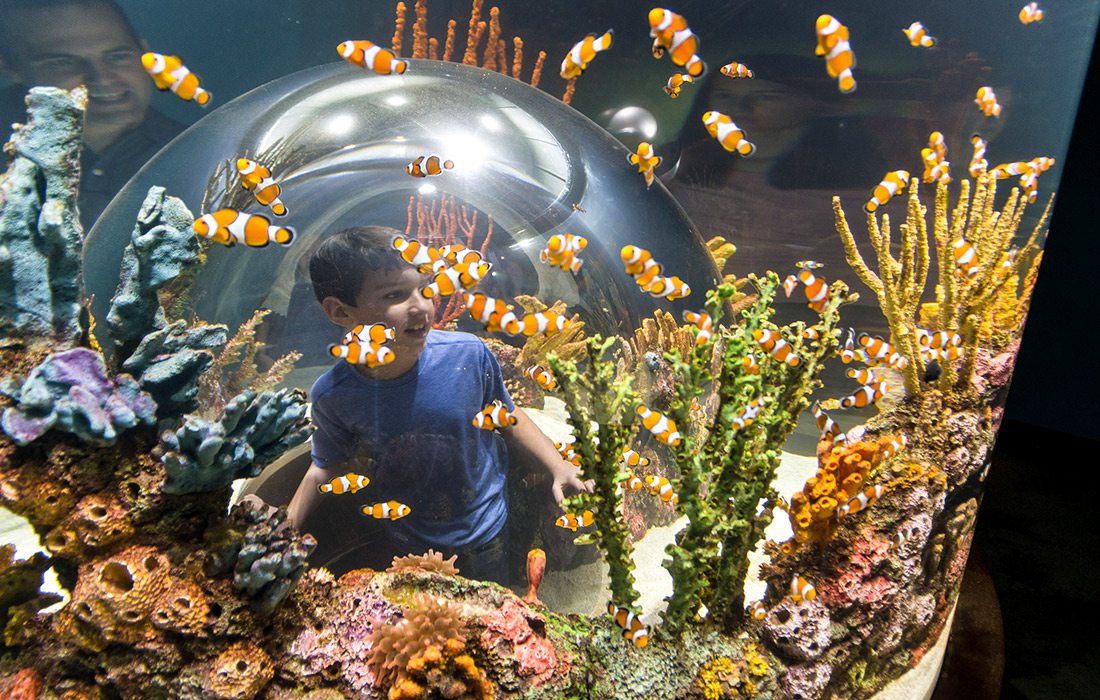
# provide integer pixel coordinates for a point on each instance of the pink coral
(510, 626)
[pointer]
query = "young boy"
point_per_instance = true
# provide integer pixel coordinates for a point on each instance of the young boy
(408, 425)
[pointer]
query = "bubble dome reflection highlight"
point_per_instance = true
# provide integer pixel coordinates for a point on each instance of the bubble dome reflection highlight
(338, 140)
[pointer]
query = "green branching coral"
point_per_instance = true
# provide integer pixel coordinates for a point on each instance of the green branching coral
(727, 470)
(601, 405)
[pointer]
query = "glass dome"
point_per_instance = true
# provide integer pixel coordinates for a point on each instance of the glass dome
(338, 140)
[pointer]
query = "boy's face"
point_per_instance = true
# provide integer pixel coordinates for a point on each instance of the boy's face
(394, 298)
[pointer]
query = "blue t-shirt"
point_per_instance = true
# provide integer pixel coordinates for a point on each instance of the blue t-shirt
(414, 437)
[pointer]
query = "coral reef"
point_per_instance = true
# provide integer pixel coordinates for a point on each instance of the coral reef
(239, 672)
(20, 597)
(426, 622)
(169, 361)
(429, 561)
(842, 473)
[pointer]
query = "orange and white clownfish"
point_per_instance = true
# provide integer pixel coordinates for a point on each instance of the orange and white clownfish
(661, 487)
(987, 102)
(565, 449)
(676, 83)
(646, 160)
(864, 396)
(169, 73)
(789, 285)
(541, 376)
(670, 32)
(415, 252)
(367, 54)
(494, 416)
(544, 322)
(631, 625)
(582, 53)
(639, 263)
(703, 323)
(756, 610)
(229, 226)
(747, 415)
(450, 280)
(667, 287)
(937, 339)
(563, 250)
(390, 510)
(901, 537)
(750, 365)
(862, 500)
(571, 521)
(662, 427)
(1007, 170)
(828, 427)
(358, 353)
(870, 376)
(1031, 13)
(429, 166)
(811, 333)
(494, 313)
(257, 178)
(832, 43)
(348, 483)
(801, 589)
(918, 35)
(966, 257)
(938, 144)
(733, 69)
(890, 446)
(632, 482)
(374, 334)
(816, 288)
(450, 255)
(632, 459)
(978, 163)
(732, 137)
(894, 182)
(777, 347)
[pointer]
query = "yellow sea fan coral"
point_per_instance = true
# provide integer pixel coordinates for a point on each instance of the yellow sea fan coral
(239, 673)
(841, 474)
(428, 621)
(429, 561)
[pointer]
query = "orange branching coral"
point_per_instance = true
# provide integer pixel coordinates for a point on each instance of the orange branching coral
(442, 671)
(398, 29)
(239, 673)
(428, 621)
(97, 521)
(449, 44)
(570, 88)
(489, 61)
(536, 74)
(517, 56)
(841, 474)
(429, 561)
(420, 31)
(469, 57)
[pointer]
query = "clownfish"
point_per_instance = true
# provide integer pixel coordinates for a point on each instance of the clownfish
(1007, 170)
(646, 160)
(541, 376)
(978, 163)
(817, 289)
(391, 510)
(494, 416)
(889, 447)
(757, 610)
(878, 351)
(676, 83)
(863, 396)
(832, 43)
(632, 482)
(867, 375)
(257, 178)
(548, 322)
(1031, 13)
(169, 73)
(966, 257)
(632, 459)
(229, 226)
(415, 252)
(901, 537)
(938, 144)
(631, 625)
(749, 365)
(703, 323)
(732, 137)
(894, 182)
(375, 334)
(662, 427)
(667, 287)
(367, 54)
(937, 339)
(670, 32)
(563, 250)
(461, 276)
(639, 263)
(565, 449)
(582, 53)
(862, 500)
(494, 313)
(348, 483)
(828, 427)
(430, 165)
(776, 347)
(848, 351)
(811, 333)
(747, 415)
(733, 69)
(571, 521)
(801, 589)
(450, 255)
(358, 353)
(661, 487)
(987, 102)
(789, 285)
(809, 265)
(918, 35)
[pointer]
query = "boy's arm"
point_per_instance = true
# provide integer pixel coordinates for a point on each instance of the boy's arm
(526, 438)
(306, 495)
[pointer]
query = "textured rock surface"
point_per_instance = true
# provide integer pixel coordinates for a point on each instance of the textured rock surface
(798, 631)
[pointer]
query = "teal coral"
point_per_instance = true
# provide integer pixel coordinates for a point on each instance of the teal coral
(253, 430)
(40, 235)
(168, 363)
(162, 247)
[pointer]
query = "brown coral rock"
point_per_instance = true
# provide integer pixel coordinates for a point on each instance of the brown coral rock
(98, 521)
(183, 608)
(239, 673)
(115, 595)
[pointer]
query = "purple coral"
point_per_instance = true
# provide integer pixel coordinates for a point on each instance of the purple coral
(71, 391)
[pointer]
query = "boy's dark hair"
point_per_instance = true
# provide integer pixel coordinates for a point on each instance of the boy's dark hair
(10, 8)
(341, 264)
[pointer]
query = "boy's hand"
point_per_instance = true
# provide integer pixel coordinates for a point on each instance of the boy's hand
(565, 475)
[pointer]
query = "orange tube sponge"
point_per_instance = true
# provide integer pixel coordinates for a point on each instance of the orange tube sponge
(842, 473)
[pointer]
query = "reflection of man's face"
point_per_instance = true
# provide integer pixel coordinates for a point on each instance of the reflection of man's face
(72, 45)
